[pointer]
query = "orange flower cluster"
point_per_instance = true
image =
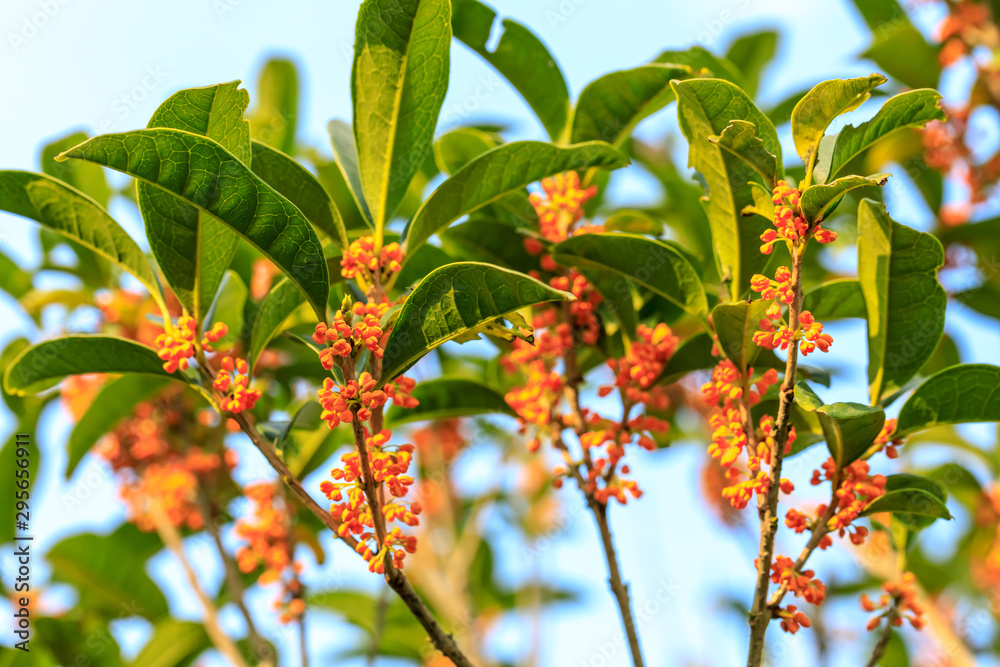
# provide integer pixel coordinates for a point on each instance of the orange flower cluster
(792, 619)
(583, 309)
(967, 26)
(810, 334)
(560, 204)
(232, 382)
(723, 394)
(885, 438)
(641, 367)
(857, 489)
(360, 259)
(899, 601)
(803, 584)
(268, 536)
(341, 402)
(359, 327)
(389, 465)
(125, 314)
(790, 225)
(176, 346)
(145, 450)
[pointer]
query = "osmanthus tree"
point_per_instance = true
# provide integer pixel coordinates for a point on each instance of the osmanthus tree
(297, 306)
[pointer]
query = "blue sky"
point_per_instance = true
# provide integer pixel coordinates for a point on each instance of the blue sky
(105, 66)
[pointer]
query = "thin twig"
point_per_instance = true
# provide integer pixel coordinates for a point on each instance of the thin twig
(600, 510)
(172, 539)
(883, 641)
(760, 614)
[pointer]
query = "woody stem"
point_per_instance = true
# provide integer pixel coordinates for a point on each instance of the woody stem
(883, 641)
(599, 509)
(760, 613)
(395, 578)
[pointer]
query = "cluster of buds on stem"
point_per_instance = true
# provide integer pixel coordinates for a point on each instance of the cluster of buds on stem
(363, 261)
(790, 225)
(898, 602)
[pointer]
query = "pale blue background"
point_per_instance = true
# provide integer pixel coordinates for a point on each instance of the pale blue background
(105, 66)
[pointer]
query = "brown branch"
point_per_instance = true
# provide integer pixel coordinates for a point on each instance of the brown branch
(760, 614)
(600, 510)
(883, 641)
(168, 533)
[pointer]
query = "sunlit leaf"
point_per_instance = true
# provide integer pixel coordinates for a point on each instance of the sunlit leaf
(957, 395)
(448, 398)
(848, 428)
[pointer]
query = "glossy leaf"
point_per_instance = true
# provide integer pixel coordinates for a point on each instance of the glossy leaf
(205, 175)
(735, 325)
(72, 214)
(345, 152)
(499, 172)
(452, 301)
(174, 644)
(897, 269)
(694, 354)
(42, 366)
(835, 300)
(299, 186)
(275, 113)
(398, 83)
(115, 401)
(610, 107)
(818, 201)
(827, 100)
(453, 150)
(109, 571)
(14, 280)
(448, 398)
(705, 108)
(957, 395)
(272, 314)
(520, 57)
(914, 108)
(655, 265)
(192, 249)
(848, 428)
(752, 53)
(228, 308)
(634, 221)
(488, 241)
(740, 138)
(911, 494)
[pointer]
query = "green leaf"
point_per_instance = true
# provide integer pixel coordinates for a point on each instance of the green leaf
(911, 494)
(898, 48)
(740, 138)
(306, 417)
(958, 395)
(299, 186)
(13, 279)
(203, 174)
(704, 62)
(75, 216)
(398, 82)
(42, 366)
(735, 325)
(655, 265)
(520, 57)
(452, 301)
(694, 354)
(192, 249)
(272, 314)
(109, 571)
(618, 300)
(827, 100)
(345, 152)
(914, 108)
(87, 178)
(897, 269)
(499, 172)
(114, 402)
(228, 308)
(610, 107)
(818, 201)
(752, 53)
(490, 242)
(848, 428)
(447, 398)
(275, 113)
(173, 644)
(453, 150)
(705, 108)
(835, 300)
(634, 221)
(28, 412)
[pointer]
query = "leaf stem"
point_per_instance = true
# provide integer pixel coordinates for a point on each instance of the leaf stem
(760, 613)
